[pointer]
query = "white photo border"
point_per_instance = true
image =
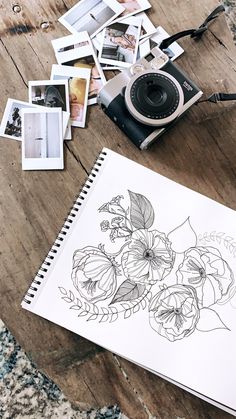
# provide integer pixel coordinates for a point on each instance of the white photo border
(159, 36)
(65, 114)
(147, 24)
(112, 4)
(77, 53)
(48, 163)
(6, 115)
(145, 5)
(132, 21)
(68, 71)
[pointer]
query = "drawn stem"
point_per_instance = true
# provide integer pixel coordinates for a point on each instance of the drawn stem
(126, 219)
(100, 313)
(117, 254)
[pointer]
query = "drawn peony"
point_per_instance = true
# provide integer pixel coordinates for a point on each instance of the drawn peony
(204, 269)
(174, 312)
(149, 258)
(94, 274)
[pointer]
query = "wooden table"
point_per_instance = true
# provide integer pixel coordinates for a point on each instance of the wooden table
(200, 152)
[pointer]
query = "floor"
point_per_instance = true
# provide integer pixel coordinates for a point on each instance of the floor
(27, 393)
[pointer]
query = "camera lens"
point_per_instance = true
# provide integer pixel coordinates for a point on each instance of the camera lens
(154, 98)
(156, 95)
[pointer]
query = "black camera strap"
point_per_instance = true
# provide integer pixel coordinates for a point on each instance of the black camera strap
(197, 33)
(193, 33)
(219, 97)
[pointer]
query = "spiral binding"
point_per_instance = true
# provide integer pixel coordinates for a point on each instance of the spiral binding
(80, 198)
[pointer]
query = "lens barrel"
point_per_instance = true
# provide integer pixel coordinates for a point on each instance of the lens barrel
(154, 98)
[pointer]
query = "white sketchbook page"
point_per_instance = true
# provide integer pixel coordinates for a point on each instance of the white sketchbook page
(202, 361)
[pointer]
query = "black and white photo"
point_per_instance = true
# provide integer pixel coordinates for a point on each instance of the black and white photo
(11, 125)
(91, 15)
(52, 95)
(42, 140)
(45, 93)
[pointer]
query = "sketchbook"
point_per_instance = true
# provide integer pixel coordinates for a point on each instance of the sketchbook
(146, 268)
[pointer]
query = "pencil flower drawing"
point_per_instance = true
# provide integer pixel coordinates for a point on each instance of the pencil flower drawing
(148, 257)
(179, 277)
(94, 273)
(174, 312)
(206, 271)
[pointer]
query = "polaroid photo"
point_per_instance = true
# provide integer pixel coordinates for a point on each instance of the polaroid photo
(83, 56)
(11, 125)
(107, 67)
(69, 42)
(42, 139)
(173, 51)
(52, 95)
(143, 49)
(96, 43)
(132, 7)
(79, 79)
(91, 15)
(147, 27)
(120, 43)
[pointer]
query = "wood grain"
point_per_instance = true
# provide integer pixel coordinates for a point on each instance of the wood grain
(200, 152)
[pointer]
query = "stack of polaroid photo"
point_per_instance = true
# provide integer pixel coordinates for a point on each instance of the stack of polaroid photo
(105, 35)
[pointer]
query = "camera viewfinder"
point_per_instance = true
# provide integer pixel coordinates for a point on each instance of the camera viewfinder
(149, 57)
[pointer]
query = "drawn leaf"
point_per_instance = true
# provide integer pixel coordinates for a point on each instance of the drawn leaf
(219, 237)
(125, 306)
(143, 303)
(128, 291)
(95, 309)
(182, 237)
(209, 320)
(149, 296)
(136, 308)
(75, 307)
(67, 299)
(104, 318)
(87, 307)
(92, 317)
(62, 290)
(71, 295)
(114, 317)
(105, 310)
(83, 313)
(228, 242)
(127, 313)
(141, 212)
(78, 302)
